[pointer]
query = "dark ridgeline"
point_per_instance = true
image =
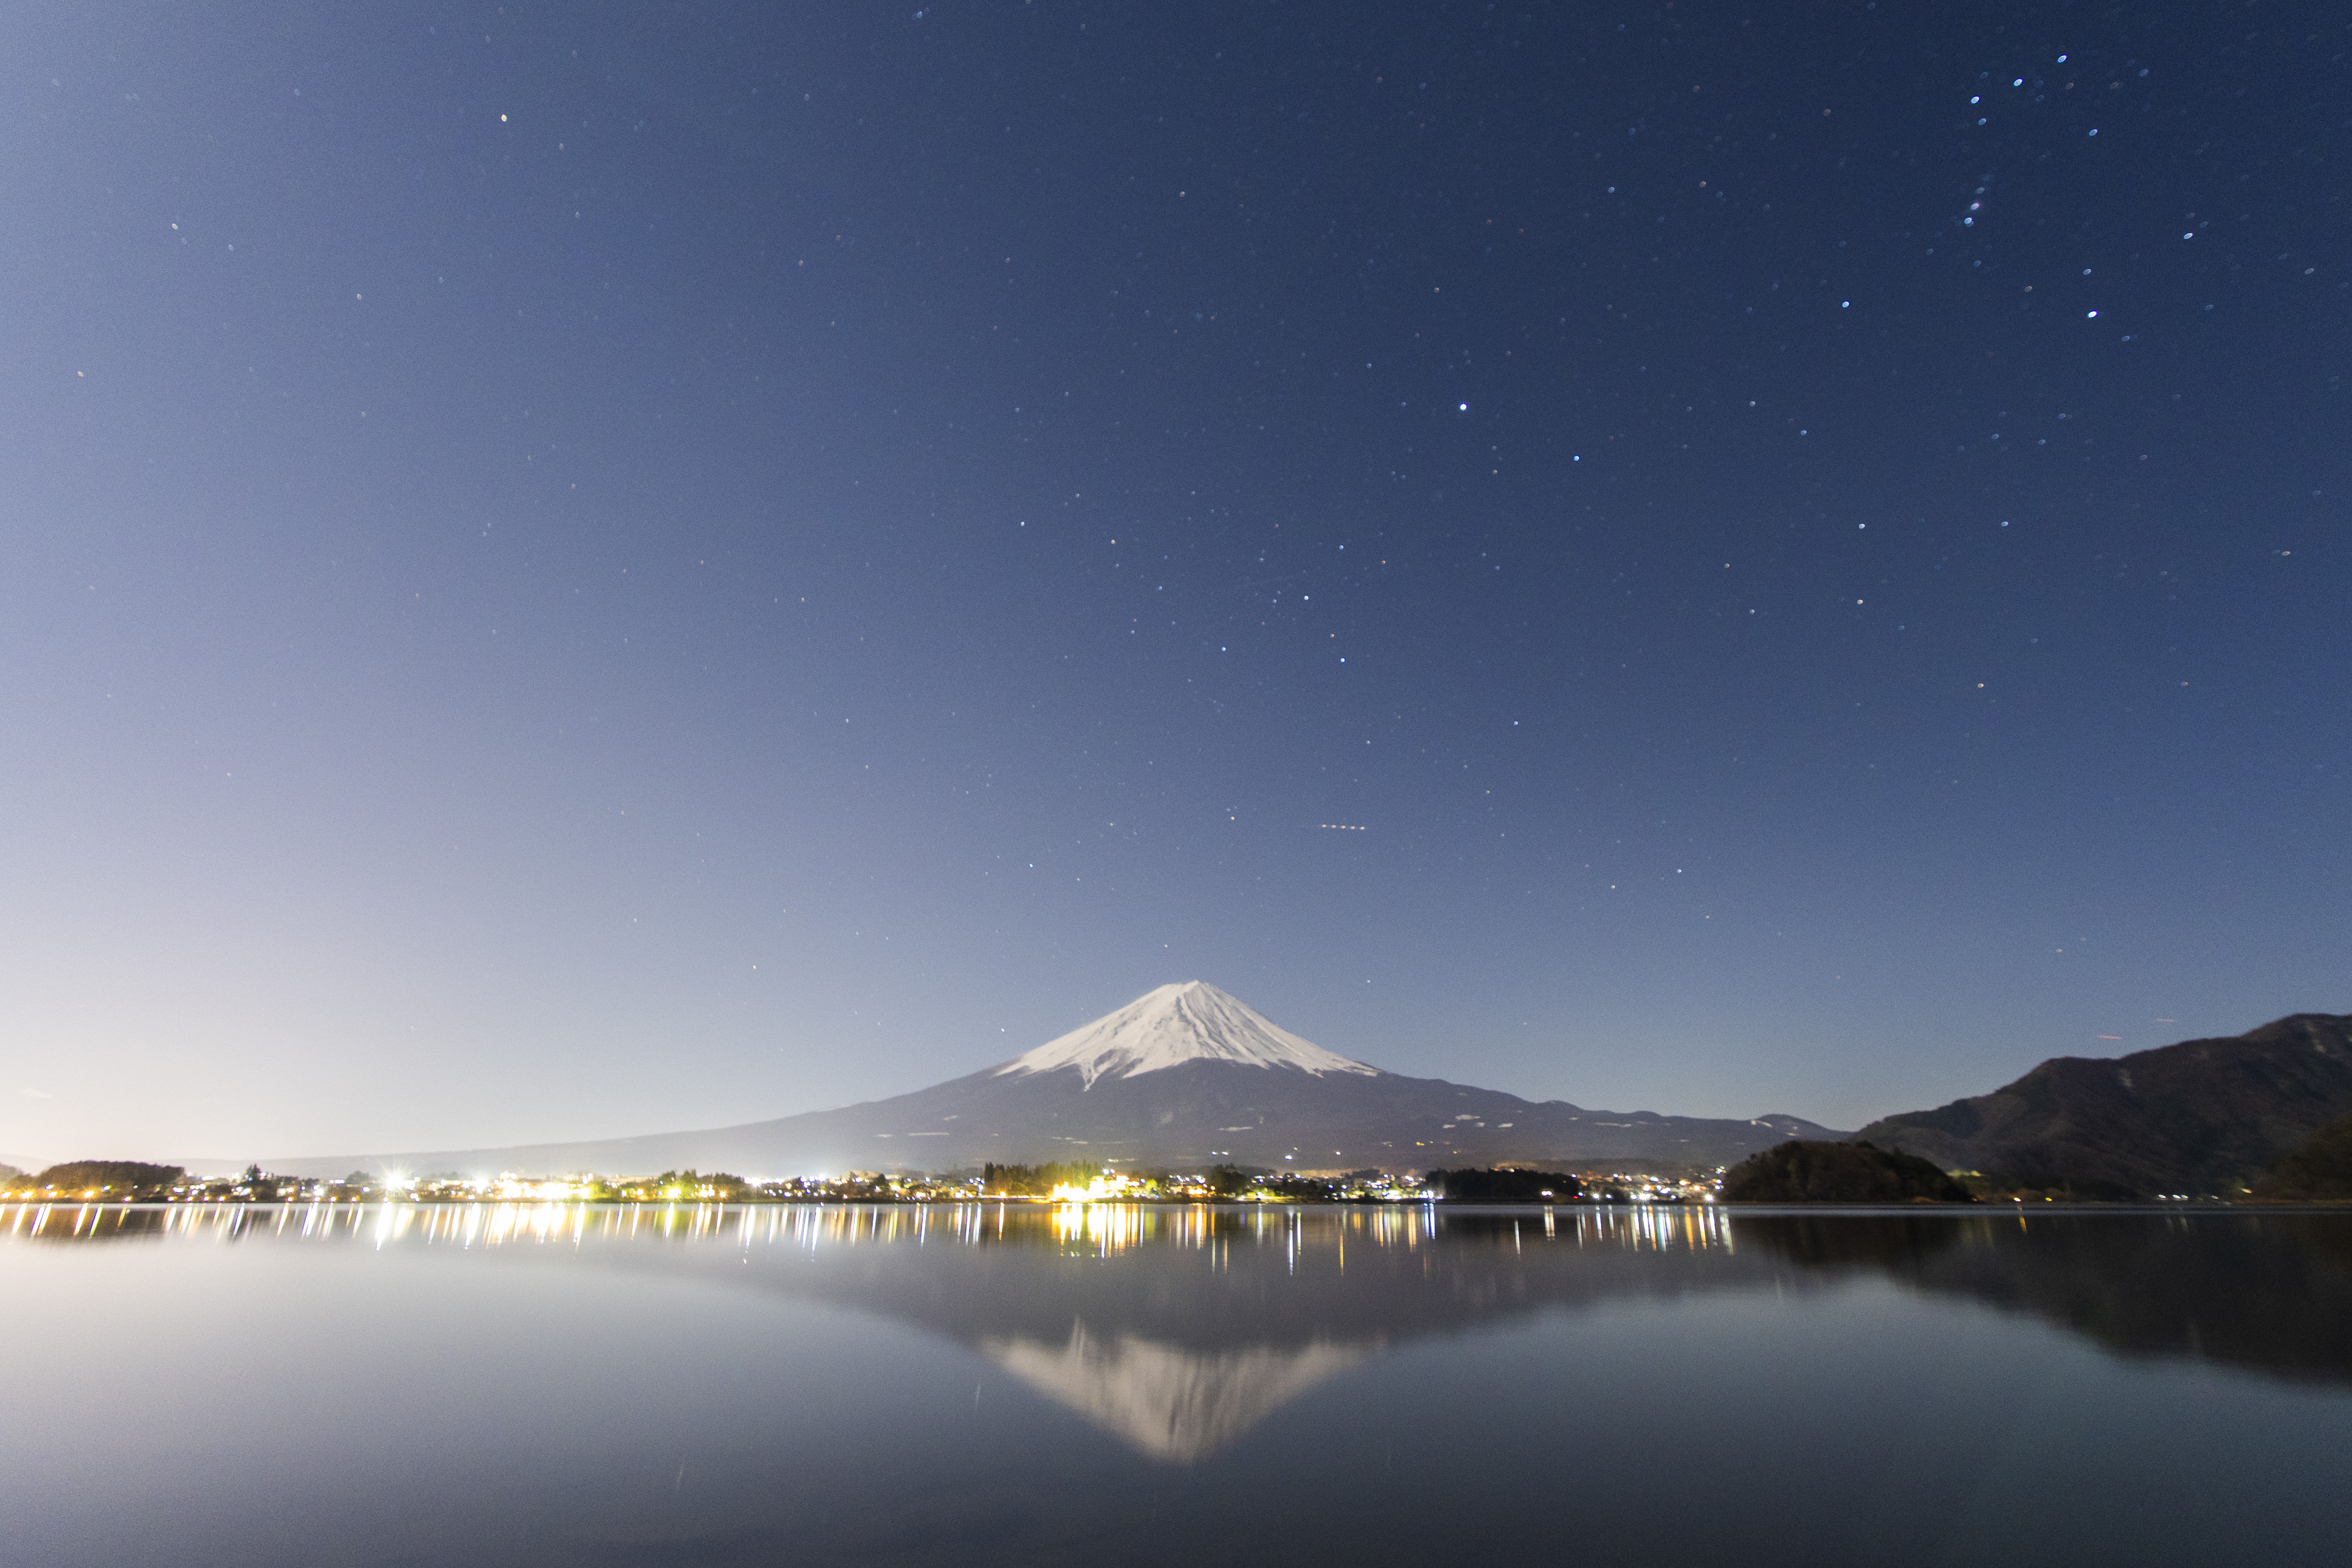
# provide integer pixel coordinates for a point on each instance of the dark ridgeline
(117, 1181)
(2204, 1118)
(1805, 1171)
(2316, 1170)
(1511, 1185)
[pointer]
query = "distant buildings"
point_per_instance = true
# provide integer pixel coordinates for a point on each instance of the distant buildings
(1046, 1185)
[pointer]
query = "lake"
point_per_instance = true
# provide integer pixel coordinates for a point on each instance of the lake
(1004, 1384)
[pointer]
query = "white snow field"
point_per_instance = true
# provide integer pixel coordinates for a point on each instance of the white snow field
(1193, 1021)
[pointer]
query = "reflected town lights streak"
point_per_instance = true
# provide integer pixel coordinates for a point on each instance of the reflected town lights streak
(1090, 1228)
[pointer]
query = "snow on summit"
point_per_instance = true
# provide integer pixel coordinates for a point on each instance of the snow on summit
(1190, 1022)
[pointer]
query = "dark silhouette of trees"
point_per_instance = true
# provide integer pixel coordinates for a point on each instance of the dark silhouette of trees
(118, 1180)
(1502, 1185)
(1034, 1181)
(1807, 1171)
(2317, 1170)
(702, 1185)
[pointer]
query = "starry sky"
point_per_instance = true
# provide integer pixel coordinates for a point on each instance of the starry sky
(575, 570)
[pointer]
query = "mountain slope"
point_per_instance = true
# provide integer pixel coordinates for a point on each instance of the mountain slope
(2203, 1117)
(1183, 1076)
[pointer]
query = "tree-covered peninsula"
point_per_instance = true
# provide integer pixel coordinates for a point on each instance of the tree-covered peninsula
(1806, 1171)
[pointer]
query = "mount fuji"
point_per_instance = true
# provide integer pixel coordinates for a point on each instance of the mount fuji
(1184, 1076)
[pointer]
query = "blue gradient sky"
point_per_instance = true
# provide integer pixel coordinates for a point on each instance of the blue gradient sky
(570, 570)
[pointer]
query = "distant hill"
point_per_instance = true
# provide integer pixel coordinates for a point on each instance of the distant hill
(2316, 1170)
(113, 1179)
(1805, 1171)
(2206, 1117)
(1185, 1075)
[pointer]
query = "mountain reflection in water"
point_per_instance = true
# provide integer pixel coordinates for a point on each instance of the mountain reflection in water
(561, 1387)
(1180, 1329)
(1171, 1403)
(2268, 1292)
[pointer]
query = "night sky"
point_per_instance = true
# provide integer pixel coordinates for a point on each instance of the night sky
(570, 570)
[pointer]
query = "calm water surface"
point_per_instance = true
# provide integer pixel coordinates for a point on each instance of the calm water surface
(993, 1384)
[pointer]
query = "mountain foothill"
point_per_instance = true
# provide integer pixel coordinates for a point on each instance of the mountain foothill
(1185, 1075)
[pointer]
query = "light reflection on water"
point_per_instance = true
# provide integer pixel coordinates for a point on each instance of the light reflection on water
(691, 1382)
(1102, 1229)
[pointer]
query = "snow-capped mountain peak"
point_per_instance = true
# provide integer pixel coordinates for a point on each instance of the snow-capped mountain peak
(1193, 1021)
